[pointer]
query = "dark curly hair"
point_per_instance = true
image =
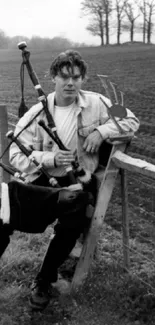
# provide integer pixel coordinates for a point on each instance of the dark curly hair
(69, 59)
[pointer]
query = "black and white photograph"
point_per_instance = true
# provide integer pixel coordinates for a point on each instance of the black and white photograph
(77, 162)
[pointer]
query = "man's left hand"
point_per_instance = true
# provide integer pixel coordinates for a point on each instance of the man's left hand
(93, 142)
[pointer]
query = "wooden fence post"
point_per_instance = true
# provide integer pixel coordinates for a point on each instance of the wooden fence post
(5, 177)
(104, 195)
(125, 219)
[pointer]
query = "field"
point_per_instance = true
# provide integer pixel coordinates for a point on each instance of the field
(109, 296)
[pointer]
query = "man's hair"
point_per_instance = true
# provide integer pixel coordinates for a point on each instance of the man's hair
(68, 59)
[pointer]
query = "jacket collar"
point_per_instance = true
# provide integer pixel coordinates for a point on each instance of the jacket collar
(80, 101)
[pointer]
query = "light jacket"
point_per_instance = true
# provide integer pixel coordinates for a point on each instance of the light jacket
(91, 114)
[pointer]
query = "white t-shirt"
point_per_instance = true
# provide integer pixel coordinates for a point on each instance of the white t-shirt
(66, 123)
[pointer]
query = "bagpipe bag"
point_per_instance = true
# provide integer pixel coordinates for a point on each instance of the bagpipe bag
(30, 208)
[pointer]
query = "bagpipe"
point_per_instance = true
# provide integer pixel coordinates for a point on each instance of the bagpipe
(31, 208)
(75, 172)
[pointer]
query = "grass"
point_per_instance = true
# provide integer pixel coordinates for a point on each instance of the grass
(109, 296)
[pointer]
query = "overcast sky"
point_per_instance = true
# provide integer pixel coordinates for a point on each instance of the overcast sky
(45, 18)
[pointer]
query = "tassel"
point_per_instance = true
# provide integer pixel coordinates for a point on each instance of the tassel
(22, 107)
(85, 179)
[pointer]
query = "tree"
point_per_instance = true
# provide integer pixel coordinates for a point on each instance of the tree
(130, 13)
(150, 12)
(119, 8)
(107, 7)
(94, 8)
(142, 7)
(4, 40)
(97, 28)
(147, 7)
(57, 43)
(13, 41)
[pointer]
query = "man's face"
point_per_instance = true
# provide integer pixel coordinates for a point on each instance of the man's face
(67, 85)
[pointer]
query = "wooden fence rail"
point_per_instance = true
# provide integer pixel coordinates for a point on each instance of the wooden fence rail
(12, 120)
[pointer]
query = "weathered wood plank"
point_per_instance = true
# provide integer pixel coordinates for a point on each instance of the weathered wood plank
(125, 219)
(135, 165)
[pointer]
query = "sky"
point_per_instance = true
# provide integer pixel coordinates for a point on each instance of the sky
(45, 18)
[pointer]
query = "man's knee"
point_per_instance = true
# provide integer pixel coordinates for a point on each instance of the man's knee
(72, 201)
(73, 225)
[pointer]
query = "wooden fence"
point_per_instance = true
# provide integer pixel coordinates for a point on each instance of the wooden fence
(134, 165)
(121, 160)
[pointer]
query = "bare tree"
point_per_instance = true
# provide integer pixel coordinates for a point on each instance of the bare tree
(147, 8)
(142, 7)
(4, 40)
(130, 13)
(94, 8)
(150, 8)
(120, 13)
(107, 7)
(97, 28)
(100, 11)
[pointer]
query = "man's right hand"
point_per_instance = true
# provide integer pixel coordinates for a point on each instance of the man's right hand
(63, 158)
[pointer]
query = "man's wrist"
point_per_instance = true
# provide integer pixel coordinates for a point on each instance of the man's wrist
(99, 133)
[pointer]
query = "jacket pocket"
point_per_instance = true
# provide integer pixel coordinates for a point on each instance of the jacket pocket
(37, 144)
(48, 145)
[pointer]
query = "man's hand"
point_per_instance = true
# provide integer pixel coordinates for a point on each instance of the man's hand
(93, 142)
(63, 158)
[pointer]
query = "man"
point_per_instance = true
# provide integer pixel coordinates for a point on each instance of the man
(82, 123)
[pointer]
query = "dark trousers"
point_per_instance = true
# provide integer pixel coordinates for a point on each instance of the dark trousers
(5, 232)
(67, 231)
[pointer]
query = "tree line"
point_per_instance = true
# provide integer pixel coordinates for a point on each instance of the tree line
(113, 17)
(37, 42)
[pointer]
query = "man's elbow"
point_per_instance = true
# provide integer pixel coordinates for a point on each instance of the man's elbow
(134, 124)
(19, 162)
